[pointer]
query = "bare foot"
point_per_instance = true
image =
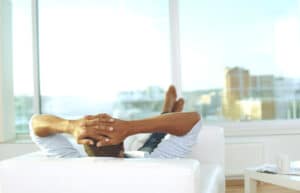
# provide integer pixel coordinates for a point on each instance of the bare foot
(170, 99)
(178, 106)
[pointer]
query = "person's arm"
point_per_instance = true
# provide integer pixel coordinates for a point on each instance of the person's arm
(55, 145)
(173, 123)
(45, 125)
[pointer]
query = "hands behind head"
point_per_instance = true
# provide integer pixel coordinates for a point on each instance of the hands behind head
(101, 128)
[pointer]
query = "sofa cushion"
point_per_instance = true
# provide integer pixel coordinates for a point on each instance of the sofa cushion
(36, 173)
(96, 175)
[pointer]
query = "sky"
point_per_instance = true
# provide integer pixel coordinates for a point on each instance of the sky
(123, 45)
(260, 35)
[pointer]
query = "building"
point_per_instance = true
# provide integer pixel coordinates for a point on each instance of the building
(236, 88)
(248, 97)
(263, 89)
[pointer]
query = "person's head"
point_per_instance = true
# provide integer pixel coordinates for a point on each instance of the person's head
(105, 151)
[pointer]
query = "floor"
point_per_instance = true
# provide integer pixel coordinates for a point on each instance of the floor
(237, 186)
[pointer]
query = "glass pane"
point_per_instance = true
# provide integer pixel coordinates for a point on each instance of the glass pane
(103, 56)
(240, 58)
(22, 61)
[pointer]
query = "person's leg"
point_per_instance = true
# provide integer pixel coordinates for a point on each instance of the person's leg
(170, 100)
(174, 146)
(170, 105)
(178, 106)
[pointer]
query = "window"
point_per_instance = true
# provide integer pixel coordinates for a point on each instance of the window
(22, 64)
(103, 56)
(239, 59)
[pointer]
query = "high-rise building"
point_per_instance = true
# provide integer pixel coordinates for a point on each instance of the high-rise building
(263, 89)
(236, 88)
(262, 86)
(237, 83)
(248, 97)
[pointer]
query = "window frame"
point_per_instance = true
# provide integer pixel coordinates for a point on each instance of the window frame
(7, 128)
(36, 57)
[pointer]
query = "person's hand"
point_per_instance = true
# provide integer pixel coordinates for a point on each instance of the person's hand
(112, 132)
(89, 128)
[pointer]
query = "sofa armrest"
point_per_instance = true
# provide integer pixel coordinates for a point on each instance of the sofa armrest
(95, 175)
(209, 147)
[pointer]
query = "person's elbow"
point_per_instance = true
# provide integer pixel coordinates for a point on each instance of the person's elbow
(196, 117)
(193, 119)
(37, 128)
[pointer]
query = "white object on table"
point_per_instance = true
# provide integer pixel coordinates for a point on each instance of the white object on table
(252, 176)
(283, 163)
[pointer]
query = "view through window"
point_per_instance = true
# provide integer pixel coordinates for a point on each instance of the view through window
(240, 58)
(104, 56)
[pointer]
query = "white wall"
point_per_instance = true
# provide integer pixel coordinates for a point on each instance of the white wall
(250, 151)
(7, 130)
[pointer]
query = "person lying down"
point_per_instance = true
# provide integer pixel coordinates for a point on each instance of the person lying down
(173, 133)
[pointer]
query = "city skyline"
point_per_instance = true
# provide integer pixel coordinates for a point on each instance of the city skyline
(260, 98)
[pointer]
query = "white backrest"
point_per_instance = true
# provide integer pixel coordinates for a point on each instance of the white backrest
(210, 146)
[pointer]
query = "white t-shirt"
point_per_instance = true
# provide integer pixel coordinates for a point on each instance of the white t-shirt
(63, 146)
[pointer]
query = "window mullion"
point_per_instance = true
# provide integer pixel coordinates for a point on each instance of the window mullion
(175, 44)
(35, 45)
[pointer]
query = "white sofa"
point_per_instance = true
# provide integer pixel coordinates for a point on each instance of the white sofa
(203, 172)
